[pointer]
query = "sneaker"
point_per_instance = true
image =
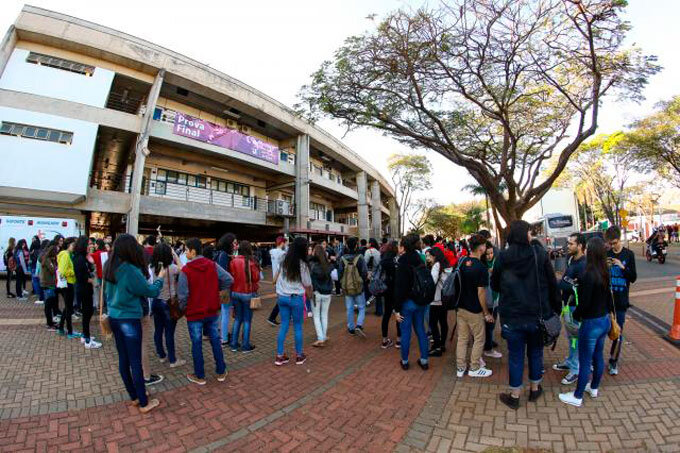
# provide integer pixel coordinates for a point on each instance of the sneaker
(250, 348)
(178, 362)
(26, 293)
(56, 319)
(75, 335)
(570, 379)
(534, 395)
(93, 344)
(493, 354)
(351, 331)
(225, 343)
(61, 332)
(11, 296)
(398, 344)
(195, 379)
(222, 377)
(153, 379)
(569, 398)
(162, 360)
(404, 366)
(152, 404)
(51, 328)
(480, 372)
(613, 370)
(235, 347)
(591, 391)
(560, 367)
(360, 331)
(386, 343)
(435, 352)
(370, 300)
(460, 372)
(424, 365)
(22, 298)
(299, 360)
(82, 339)
(39, 302)
(509, 400)
(273, 322)
(281, 360)
(310, 314)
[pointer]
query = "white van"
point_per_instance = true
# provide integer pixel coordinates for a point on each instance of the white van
(553, 230)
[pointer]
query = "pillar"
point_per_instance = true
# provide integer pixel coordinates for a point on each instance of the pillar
(302, 181)
(394, 218)
(7, 47)
(141, 151)
(376, 211)
(362, 205)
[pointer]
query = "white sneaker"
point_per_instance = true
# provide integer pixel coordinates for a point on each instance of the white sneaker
(569, 398)
(93, 344)
(38, 302)
(310, 314)
(82, 339)
(480, 372)
(178, 362)
(591, 391)
(460, 372)
(493, 354)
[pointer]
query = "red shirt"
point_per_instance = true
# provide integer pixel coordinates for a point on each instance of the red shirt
(204, 289)
(237, 269)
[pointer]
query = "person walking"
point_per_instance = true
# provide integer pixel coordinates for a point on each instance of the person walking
(200, 283)
(276, 254)
(623, 273)
(292, 281)
(388, 263)
(225, 247)
(322, 283)
(11, 266)
(352, 273)
(245, 271)
(22, 256)
(84, 289)
(438, 320)
(372, 258)
(48, 283)
(127, 288)
(525, 280)
(67, 277)
(490, 345)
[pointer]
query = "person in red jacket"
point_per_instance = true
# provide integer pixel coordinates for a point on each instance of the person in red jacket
(246, 274)
(198, 290)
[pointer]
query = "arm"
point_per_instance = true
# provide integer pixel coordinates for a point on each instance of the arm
(481, 293)
(224, 277)
(585, 296)
(553, 294)
(81, 271)
(139, 286)
(183, 290)
(341, 268)
(630, 271)
(363, 269)
(22, 261)
(435, 273)
(496, 275)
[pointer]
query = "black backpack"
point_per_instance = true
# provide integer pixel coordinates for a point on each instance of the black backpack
(453, 287)
(423, 286)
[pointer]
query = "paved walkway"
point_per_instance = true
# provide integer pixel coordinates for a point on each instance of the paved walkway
(352, 395)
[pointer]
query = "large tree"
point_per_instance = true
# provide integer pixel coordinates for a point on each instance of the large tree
(496, 86)
(411, 173)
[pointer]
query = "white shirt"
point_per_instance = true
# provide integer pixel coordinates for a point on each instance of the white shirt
(439, 280)
(285, 287)
(276, 255)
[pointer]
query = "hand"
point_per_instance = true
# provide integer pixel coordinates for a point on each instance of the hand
(398, 317)
(488, 318)
(163, 273)
(617, 262)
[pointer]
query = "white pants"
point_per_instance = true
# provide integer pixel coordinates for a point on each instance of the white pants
(320, 307)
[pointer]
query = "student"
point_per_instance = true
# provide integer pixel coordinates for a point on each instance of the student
(66, 272)
(198, 289)
(593, 309)
(440, 269)
(292, 281)
(11, 266)
(621, 261)
(473, 310)
(246, 274)
(372, 258)
(225, 247)
(84, 289)
(352, 273)
(276, 254)
(23, 260)
(323, 288)
(388, 262)
(48, 282)
(127, 288)
(490, 345)
(35, 251)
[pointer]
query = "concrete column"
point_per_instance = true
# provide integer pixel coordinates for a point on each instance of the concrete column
(302, 181)
(141, 151)
(362, 206)
(394, 219)
(7, 47)
(376, 212)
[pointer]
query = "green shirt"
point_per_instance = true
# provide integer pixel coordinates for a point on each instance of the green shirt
(124, 298)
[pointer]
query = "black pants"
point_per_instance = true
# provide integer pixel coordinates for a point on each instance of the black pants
(489, 328)
(337, 287)
(87, 306)
(49, 306)
(8, 282)
(67, 294)
(439, 325)
(387, 314)
(274, 313)
(20, 282)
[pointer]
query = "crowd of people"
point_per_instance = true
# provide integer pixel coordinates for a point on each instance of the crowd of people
(415, 282)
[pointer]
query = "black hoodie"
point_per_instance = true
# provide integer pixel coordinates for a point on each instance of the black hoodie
(514, 278)
(403, 278)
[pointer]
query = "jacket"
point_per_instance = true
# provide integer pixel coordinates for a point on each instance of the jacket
(126, 295)
(97, 258)
(199, 286)
(403, 278)
(48, 274)
(237, 269)
(83, 274)
(65, 266)
(521, 289)
(574, 271)
(321, 281)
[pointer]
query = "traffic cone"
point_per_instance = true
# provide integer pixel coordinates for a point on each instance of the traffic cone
(674, 334)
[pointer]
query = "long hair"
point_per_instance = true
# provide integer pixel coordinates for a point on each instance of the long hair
(226, 243)
(320, 255)
(596, 261)
(35, 244)
(439, 258)
(126, 249)
(410, 242)
(296, 255)
(81, 245)
(22, 245)
(519, 232)
(162, 255)
(11, 244)
(246, 250)
(391, 250)
(49, 255)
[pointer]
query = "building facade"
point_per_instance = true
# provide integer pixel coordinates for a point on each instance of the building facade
(125, 135)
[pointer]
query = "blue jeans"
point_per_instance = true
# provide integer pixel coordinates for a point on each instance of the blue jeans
(224, 321)
(163, 325)
(591, 338)
(521, 338)
(290, 306)
(196, 329)
(615, 351)
(128, 336)
(37, 290)
(572, 359)
(428, 330)
(360, 300)
(244, 316)
(414, 316)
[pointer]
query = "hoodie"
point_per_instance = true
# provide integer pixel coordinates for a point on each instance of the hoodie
(199, 286)
(403, 278)
(515, 278)
(65, 267)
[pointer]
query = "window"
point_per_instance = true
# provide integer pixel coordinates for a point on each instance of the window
(172, 177)
(200, 182)
(182, 179)
(161, 175)
(36, 132)
(317, 211)
(160, 188)
(283, 156)
(60, 63)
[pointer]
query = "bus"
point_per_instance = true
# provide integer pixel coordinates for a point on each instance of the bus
(553, 230)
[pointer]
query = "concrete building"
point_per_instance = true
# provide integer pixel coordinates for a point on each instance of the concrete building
(126, 135)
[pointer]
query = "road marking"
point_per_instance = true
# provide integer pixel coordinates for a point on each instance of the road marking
(650, 292)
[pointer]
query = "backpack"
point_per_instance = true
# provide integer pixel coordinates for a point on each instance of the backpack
(351, 281)
(423, 288)
(378, 284)
(452, 288)
(10, 261)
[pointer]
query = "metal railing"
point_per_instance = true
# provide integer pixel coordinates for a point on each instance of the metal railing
(124, 102)
(107, 180)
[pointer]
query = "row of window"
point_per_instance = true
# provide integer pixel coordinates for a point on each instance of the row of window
(36, 132)
(60, 63)
(176, 177)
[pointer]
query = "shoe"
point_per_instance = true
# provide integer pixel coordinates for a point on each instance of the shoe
(39, 302)
(152, 404)
(317, 344)
(460, 372)
(352, 331)
(75, 335)
(56, 319)
(570, 379)
(509, 400)
(534, 395)
(273, 322)
(386, 343)
(480, 372)
(25, 293)
(93, 344)
(82, 339)
(424, 365)
(360, 331)
(195, 379)
(398, 344)
(310, 314)
(11, 296)
(51, 328)
(299, 360)
(569, 398)
(613, 370)
(560, 367)
(404, 366)
(281, 360)
(435, 352)
(591, 391)
(61, 332)
(153, 379)
(162, 360)
(493, 354)
(235, 347)
(22, 298)
(178, 362)
(370, 300)
(250, 348)
(222, 377)
(225, 343)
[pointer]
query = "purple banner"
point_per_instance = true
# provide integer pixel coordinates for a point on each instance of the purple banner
(205, 131)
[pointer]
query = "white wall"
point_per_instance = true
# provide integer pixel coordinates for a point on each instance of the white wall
(41, 165)
(56, 83)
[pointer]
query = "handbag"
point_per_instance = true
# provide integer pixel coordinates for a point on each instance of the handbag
(615, 330)
(552, 326)
(104, 323)
(176, 313)
(256, 301)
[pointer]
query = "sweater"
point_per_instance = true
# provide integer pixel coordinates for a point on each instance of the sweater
(83, 274)
(126, 295)
(403, 277)
(594, 298)
(199, 286)
(65, 266)
(48, 274)
(237, 269)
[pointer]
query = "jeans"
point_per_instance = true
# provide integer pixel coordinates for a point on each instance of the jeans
(274, 313)
(164, 326)
(428, 331)
(360, 300)
(290, 306)
(37, 290)
(224, 321)
(244, 317)
(615, 351)
(49, 306)
(196, 329)
(521, 338)
(87, 305)
(128, 336)
(591, 336)
(320, 306)
(67, 294)
(414, 316)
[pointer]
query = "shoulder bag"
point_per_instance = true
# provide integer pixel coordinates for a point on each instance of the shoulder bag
(550, 326)
(255, 301)
(615, 329)
(176, 313)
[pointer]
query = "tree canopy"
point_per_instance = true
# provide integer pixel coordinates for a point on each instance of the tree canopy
(410, 173)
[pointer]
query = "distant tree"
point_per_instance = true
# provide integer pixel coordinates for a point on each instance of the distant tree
(410, 173)
(472, 213)
(444, 221)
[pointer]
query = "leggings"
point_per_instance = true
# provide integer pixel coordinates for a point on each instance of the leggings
(8, 282)
(67, 294)
(87, 306)
(50, 303)
(20, 282)
(387, 314)
(439, 325)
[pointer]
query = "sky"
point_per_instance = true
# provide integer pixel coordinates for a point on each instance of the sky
(274, 46)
